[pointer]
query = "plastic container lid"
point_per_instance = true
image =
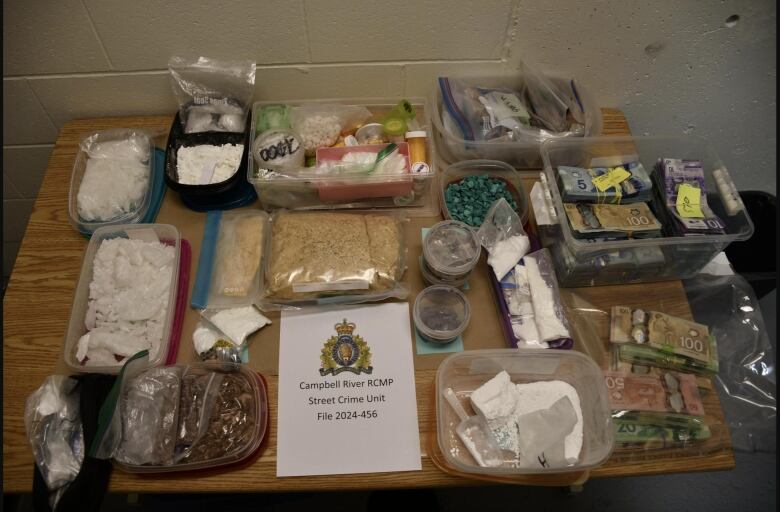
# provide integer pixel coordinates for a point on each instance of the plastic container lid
(441, 313)
(451, 248)
(394, 126)
(415, 134)
(465, 371)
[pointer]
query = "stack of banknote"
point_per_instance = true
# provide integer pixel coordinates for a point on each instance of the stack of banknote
(577, 185)
(657, 339)
(619, 221)
(669, 174)
(655, 430)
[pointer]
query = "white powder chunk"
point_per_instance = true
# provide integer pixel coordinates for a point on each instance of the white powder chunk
(203, 338)
(128, 300)
(505, 254)
(495, 398)
(239, 323)
(112, 187)
(205, 164)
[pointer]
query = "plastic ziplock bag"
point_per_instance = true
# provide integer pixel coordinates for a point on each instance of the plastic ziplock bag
(53, 422)
(231, 257)
(502, 234)
(549, 315)
(334, 258)
(236, 324)
(538, 110)
(138, 420)
(319, 125)
(213, 95)
(747, 380)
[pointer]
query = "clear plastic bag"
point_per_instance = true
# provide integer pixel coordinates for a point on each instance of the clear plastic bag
(238, 257)
(319, 125)
(237, 324)
(149, 415)
(538, 110)
(213, 95)
(745, 381)
(334, 258)
(53, 422)
(503, 236)
(116, 172)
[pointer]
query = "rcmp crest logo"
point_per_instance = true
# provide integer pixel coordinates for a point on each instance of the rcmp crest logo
(345, 352)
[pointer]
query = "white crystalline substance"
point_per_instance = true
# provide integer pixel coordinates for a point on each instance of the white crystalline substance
(521, 307)
(205, 164)
(128, 300)
(549, 325)
(506, 253)
(501, 403)
(239, 323)
(115, 180)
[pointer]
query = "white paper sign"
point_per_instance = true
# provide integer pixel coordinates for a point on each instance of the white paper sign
(347, 401)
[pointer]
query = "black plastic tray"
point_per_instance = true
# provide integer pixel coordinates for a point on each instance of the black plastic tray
(177, 138)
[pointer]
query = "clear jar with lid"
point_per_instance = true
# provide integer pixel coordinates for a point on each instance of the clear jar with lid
(450, 252)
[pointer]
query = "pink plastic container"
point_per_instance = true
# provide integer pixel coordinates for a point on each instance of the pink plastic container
(363, 186)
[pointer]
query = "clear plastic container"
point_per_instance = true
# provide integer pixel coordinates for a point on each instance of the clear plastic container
(465, 371)
(133, 215)
(297, 189)
(450, 253)
(441, 313)
(579, 262)
(166, 234)
(259, 414)
(492, 168)
(522, 155)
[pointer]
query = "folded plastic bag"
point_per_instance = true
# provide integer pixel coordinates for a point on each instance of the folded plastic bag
(52, 420)
(213, 95)
(542, 434)
(548, 311)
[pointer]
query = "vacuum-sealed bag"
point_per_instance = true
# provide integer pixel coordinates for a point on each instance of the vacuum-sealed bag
(334, 258)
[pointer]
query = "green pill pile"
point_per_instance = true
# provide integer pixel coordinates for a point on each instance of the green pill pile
(469, 199)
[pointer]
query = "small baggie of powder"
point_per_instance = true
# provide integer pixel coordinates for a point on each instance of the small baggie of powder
(206, 164)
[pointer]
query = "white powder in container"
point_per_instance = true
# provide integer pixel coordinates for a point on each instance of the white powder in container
(128, 301)
(206, 164)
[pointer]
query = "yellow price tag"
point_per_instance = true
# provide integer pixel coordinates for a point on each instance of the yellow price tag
(613, 178)
(689, 201)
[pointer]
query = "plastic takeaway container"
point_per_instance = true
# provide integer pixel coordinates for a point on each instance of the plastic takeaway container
(441, 313)
(465, 371)
(167, 235)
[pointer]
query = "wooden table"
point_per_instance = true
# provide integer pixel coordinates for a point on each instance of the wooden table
(37, 307)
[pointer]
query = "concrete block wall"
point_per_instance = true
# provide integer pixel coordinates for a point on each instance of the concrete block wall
(673, 66)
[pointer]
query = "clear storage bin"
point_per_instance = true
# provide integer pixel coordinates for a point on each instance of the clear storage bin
(522, 155)
(579, 262)
(167, 235)
(466, 371)
(138, 210)
(413, 191)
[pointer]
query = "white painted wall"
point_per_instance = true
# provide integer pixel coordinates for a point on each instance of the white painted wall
(672, 66)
